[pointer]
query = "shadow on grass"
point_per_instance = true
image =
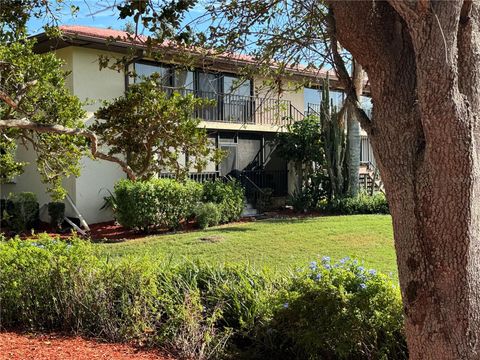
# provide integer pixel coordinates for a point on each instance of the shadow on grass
(230, 229)
(289, 220)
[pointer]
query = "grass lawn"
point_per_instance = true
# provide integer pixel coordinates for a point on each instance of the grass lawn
(279, 244)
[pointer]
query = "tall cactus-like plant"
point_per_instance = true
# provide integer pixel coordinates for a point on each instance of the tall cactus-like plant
(334, 142)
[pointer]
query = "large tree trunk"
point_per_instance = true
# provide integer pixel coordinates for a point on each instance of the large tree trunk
(423, 61)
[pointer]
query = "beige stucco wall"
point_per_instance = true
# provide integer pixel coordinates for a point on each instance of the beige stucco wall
(97, 176)
(89, 84)
(66, 54)
(92, 84)
(291, 91)
(30, 181)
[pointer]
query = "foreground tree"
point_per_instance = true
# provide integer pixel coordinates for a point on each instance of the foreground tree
(37, 111)
(422, 60)
(151, 128)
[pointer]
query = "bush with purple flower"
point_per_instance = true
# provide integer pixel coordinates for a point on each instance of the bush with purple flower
(342, 311)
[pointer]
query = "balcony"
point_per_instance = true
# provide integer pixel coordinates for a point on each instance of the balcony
(245, 110)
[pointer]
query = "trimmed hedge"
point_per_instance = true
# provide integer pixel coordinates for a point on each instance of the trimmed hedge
(158, 203)
(230, 197)
(22, 211)
(361, 204)
(165, 203)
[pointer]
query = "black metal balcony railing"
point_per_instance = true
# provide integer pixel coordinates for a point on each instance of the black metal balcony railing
(241, 109)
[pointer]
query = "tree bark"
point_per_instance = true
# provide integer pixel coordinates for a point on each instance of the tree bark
(353, 133)
(423, 63)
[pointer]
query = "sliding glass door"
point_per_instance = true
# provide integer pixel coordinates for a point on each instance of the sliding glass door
(208, 87)
(237, 102)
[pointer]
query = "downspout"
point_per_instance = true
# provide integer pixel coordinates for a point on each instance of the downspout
(80, 217)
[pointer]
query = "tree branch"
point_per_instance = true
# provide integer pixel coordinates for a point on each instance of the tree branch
(8, 100)
(59, 129)
(344, 76)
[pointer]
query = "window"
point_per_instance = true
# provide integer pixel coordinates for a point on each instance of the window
(232, 95)
(311, 98)
(184, 79)
(208, 88)
(144, 70)
(237, 104)
(208, 83)
(337, 98)
(236, 86)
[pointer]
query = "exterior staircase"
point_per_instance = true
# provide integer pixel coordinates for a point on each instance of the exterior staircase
(249, 210)
(369, 178)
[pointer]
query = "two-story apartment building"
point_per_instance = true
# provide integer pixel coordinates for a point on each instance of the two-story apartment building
(243, 122)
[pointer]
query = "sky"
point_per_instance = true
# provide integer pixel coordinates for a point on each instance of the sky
(94, 13)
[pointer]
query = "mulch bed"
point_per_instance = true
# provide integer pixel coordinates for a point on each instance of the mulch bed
(59, 347)
(113, 232)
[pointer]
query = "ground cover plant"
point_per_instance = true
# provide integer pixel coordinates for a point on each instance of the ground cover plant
(200, 310)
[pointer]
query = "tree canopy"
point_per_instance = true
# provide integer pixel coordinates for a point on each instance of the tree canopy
(33, 94)
(152, 127)
(422, 59)
(37, 110)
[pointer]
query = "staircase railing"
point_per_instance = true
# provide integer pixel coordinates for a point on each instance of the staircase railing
(252, 190)
(370, 180)
(295, 114)
(313, 109)
(277, 180)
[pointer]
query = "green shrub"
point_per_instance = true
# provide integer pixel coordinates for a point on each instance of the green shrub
(230, 197)
(158, 203)
(22, 211)
(264, 201)
(362, 204)
(302, 200)
(331, 311)
(3, 207)
(56, 210)
(55, 285)
(66, 286)
(195, 295)
(207, 215)
(337, 311)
